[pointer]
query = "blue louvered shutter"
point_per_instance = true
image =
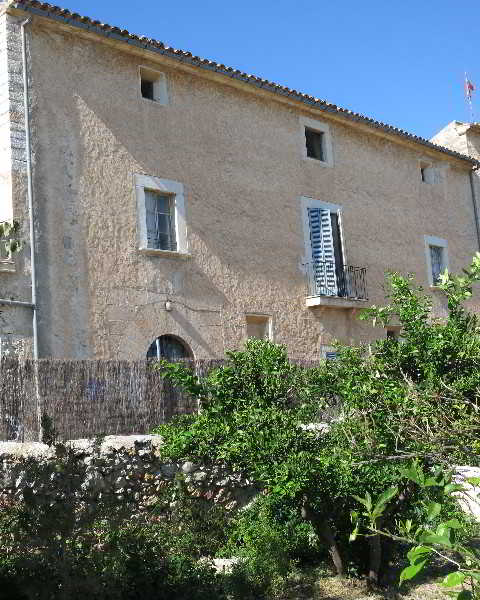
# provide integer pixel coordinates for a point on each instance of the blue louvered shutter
(323, 254)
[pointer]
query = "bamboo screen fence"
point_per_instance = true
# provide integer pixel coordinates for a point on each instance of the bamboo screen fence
(86, 399)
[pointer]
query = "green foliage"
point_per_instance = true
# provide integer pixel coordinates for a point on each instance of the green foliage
(49, 433)
(270, 518)
(413, 397)
(65, 548)
(191, 525)
(112, 560)
(434, 537)
(9, 241)
(250, 417)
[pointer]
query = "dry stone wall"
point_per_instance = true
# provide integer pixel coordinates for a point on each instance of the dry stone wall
(123, 468)
(133, 470)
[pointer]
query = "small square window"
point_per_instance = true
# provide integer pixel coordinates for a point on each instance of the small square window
(430, 174)
(315, 144)
(329, 352)
(153, 85)
(160, 217)
(393, 333)
(259, 326)
(147, 89)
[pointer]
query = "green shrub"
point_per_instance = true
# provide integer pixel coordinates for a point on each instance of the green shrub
(415, 397)
(66, 548)
(434, 535)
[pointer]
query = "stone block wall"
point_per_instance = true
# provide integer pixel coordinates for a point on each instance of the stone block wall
(122, 468)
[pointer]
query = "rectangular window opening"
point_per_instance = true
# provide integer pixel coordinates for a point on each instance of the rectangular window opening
(315, 144)
(153, 85)
(393, 333)
(147, 89)
(160, 217)
(437, 257)
(259, 327)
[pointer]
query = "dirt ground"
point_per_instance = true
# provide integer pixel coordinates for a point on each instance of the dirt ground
(331, 588)
(321, 586)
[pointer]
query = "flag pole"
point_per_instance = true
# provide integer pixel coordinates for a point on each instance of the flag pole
(468, 94)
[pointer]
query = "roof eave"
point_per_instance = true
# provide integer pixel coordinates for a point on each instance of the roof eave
(88, 25)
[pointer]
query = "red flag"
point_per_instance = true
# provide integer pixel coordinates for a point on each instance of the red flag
(469, 88)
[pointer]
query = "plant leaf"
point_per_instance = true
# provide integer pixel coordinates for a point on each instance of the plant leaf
(453, 524)
(453, 579)
(387, 496)
(453, 487)
(433, 510)
(419, 551)
(433, 538)
(412, 570)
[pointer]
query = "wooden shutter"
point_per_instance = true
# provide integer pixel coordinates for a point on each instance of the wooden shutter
(323, 253)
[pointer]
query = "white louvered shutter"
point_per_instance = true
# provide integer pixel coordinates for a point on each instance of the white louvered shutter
(323, 254)
(151, 219)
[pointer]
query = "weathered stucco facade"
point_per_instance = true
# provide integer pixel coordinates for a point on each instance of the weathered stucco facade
(239, 153)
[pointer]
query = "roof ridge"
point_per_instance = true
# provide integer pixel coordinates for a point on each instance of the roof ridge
(75, 19)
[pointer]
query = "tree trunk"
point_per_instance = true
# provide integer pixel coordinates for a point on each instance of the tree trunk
(325, 533)
(375, 545)
(375, 541)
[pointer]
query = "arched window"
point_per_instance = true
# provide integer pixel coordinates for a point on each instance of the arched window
(169, 347)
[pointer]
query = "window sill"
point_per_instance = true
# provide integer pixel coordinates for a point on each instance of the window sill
(165, 253)
(334, 302)
(317, 161)
(7, 266)
(153, 101)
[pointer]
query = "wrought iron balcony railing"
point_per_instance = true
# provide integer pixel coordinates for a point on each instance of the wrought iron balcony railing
(340, 281)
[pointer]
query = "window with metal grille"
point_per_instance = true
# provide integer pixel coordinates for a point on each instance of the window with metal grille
(437, 262)
(314, 143)
(160, 217)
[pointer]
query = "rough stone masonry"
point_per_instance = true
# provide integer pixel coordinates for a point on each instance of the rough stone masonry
(125, 468)
(132, 469)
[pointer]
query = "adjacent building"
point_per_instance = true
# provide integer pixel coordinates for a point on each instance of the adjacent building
(181, 206)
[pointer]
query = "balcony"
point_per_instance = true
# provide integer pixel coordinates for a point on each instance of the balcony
(336, 286)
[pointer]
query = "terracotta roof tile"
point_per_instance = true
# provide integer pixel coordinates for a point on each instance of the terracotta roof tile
(63, 14)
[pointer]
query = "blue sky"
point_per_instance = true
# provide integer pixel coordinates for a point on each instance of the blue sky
(399, 62)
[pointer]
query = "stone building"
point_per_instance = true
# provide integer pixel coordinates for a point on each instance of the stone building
(180, 206)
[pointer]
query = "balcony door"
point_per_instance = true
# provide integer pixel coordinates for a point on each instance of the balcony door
(326, 252)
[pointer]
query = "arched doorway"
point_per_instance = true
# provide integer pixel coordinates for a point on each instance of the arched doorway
(170, 348)
(170, 399)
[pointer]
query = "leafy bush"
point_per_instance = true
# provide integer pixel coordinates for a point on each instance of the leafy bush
(270, 539)
(10, 244)
(67, 548)
(124, 561)
(415, 397)
(190, 525)
(434, 536)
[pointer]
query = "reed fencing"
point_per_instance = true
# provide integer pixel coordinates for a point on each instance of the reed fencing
(88, 398)
(85, 399)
